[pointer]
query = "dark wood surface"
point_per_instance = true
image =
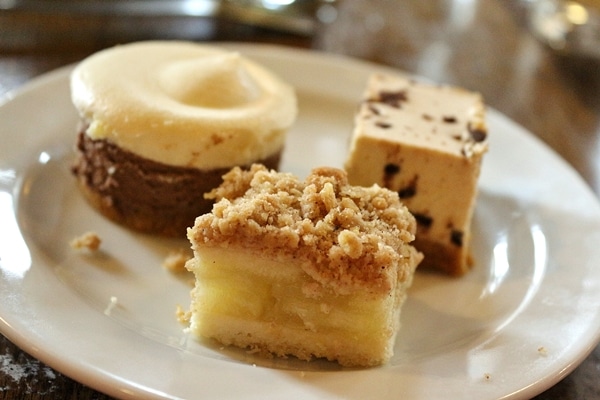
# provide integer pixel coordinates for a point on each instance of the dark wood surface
(557, 97)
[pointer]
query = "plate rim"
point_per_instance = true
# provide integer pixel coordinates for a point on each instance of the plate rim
(105, 383)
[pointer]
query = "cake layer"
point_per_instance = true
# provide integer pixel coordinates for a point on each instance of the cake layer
(425, 142)
(273, 306)
(183, 103)
(143, 194)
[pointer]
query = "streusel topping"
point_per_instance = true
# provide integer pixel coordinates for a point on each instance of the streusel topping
(344, 236)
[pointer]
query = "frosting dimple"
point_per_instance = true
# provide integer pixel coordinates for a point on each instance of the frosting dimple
(183, 104)
(214, 81)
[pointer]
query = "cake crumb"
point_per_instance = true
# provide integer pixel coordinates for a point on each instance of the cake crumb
(487, 376)
(260, 351)
(325, 308)
(175, 261)
(542, 351)
(182, 315)
(253, 350)
(111, 305)
(89, 240)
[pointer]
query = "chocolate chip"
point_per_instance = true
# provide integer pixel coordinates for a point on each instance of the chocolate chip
(449, 119)
(383, 125)
(393, 99)
(423, 220)
(409, 190)
(456, 237)
(478, 134)
(391, 169)
(373, 109)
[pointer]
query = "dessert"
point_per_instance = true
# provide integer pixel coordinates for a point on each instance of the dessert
(162, 121)
(426, 142)
(311, 269)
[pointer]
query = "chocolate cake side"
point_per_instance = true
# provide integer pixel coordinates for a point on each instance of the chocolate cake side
(142, 194)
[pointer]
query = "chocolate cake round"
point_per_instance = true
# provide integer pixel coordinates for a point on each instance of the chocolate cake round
(163, 121)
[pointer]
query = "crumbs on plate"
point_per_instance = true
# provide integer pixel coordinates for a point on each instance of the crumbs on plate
(89, 240)
(111, 305)
(176, 259)
(183, 316)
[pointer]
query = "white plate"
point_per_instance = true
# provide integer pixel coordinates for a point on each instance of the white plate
(519, 322)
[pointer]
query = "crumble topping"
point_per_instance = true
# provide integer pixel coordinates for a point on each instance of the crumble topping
(344, 236)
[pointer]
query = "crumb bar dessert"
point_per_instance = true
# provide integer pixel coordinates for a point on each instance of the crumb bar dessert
(312, 269)
(425, 142)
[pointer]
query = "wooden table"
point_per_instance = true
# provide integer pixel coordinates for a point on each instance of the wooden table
(488, 49)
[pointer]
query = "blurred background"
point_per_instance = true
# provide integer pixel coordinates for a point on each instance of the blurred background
(46, 24)
(537, 61)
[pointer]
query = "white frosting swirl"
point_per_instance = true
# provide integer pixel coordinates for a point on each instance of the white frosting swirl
(183, 104)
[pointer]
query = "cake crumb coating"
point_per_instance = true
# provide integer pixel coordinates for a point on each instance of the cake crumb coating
(345, 237)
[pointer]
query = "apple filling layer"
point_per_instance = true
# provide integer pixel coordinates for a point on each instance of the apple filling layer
(247, 300)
